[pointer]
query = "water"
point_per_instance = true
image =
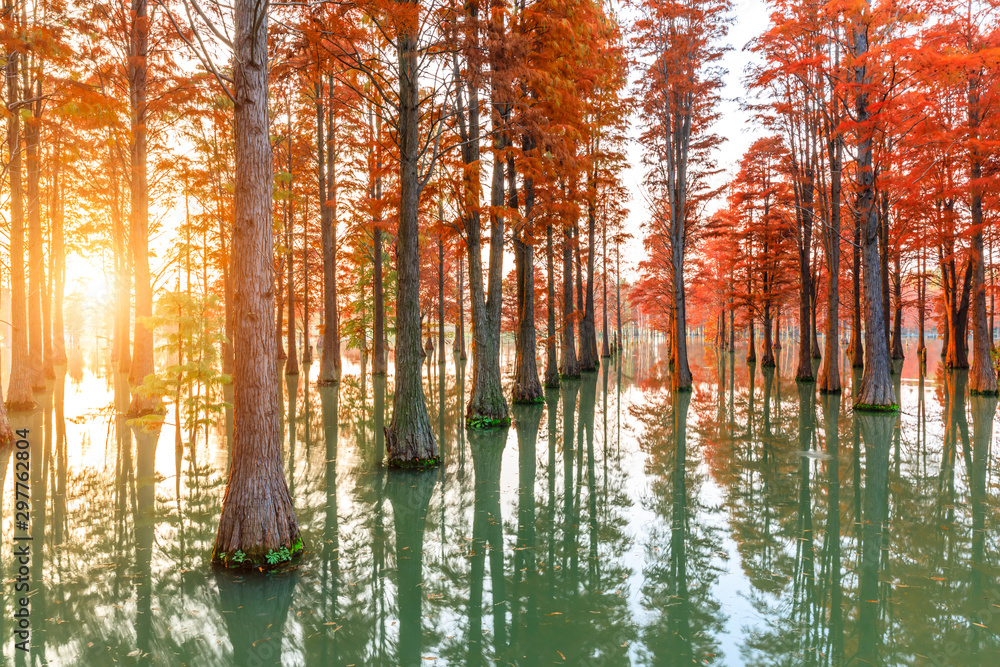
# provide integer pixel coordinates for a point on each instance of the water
(617, 524)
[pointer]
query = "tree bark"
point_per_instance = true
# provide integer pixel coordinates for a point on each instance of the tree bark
(36, 256)
(329, 362)
(58, 264)
(768, 359)
(569, 367)
(551, 359)
(876, 390)
(527, 388)
(257, 512)
(751, 342)
(982, 375)
(804, 373)
(143, 402)
(441, 357)
(19, 395)
(292, 360)
(589, 360)
(855, 348)
(408, 438)
(897, 320)
(829, 377)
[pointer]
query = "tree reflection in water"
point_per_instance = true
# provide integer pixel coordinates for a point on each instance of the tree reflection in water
(752, 521)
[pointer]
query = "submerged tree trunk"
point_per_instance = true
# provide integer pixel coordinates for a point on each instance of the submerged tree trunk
(36, 256)
(460, 306)
(408, 438)
(568, 367)
(605, 347)
(379, 360)
(551, 358)
(804, 373)
(441, 357)
(59, 266)
(751, 343)
(257, 512)
(329, 362)
(292, 361)
(982, 375)
(876, 391)
(897, 322)
(589, 360)
(19, 395)
(855, 348)
(123, 276)
(829, 377)
(143, 402)
(768, 359)
(527, 388)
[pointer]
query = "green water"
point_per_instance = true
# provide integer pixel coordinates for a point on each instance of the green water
(752, 521)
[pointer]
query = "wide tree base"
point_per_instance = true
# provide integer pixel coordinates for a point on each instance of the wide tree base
(805, 379)
(260, 558)
(21, 406)
(837, 390)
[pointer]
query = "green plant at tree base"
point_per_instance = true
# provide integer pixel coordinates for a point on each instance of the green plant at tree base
(486, 422)
(533, 401)
(974, 392)
(272, 559)
(868, 407)
(416, 464)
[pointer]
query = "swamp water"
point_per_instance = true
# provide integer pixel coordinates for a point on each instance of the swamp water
(752, 521)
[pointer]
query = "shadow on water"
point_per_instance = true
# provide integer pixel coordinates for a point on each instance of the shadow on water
(752, 521)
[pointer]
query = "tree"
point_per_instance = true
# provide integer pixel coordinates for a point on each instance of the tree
(258, 517)
(678, 91)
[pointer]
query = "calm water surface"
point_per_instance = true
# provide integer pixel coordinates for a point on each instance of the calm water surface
(752, 521)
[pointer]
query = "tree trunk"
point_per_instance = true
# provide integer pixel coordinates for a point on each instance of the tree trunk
(460, 305)
(441, 357)
(682, 373)
(605, 347)
(379, 361)
(19, 396)
(569, 367)
(876, 390)
(897, 326)
(751, 343)
(883, 203)
(36, 256)
(257, 512)
(123, 276)
(855, 348)
(409, 440)
(589, 361)
(768, 360)
(527, 388)
(551, 359)
(143, 402)
(804, 373)
(292, 361)
(982, 375)
(59, 265)
(829, 377)
(329, 362)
